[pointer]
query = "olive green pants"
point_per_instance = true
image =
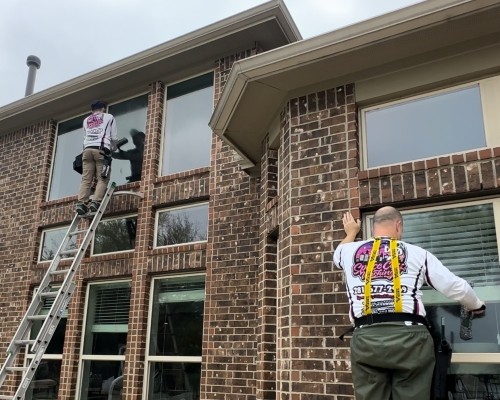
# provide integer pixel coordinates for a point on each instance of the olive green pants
(392, 361)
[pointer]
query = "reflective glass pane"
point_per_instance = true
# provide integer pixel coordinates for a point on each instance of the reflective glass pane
(130, 119)
(69, 143)
(182, 225)
(465, 240)
(474, 382)
(115, 235)
(179, 381)
(187, 135)
(430, 126)
(102, 380)
(51, 240)
(177, 317)
(45, 383)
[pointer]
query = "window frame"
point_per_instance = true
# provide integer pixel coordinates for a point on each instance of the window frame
(148, 359)
(457, 358)
(164, 132)
(82, 357)
(42, 239)
(54, 153)
(179, 207)
(92, 254)
(490, 101)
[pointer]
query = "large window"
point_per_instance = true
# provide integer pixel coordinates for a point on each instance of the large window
(130, 115)
(115, 235)
(104, 341)
(69, 143)
(464, 237)
(175, 339)
(439, 123)
(181, 225)
(187, 136)
(45, 383)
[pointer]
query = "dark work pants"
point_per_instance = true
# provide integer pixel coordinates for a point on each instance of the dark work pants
(392, 359)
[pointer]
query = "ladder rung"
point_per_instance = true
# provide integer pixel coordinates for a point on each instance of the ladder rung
(4, 397)
(74, 233)
(69, 252)
(16, 369)
(36, 317)
(22, 342)
(59, 272)
(48, 294)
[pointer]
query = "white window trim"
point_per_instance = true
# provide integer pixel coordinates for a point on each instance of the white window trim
(91, 357)
(489, 89)
(150, 359)
(162, 210)
(111, 252)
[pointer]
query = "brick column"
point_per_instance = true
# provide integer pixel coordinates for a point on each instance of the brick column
(318, 183)
(137, 326)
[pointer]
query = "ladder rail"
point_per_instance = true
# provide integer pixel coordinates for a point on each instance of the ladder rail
(61, 300)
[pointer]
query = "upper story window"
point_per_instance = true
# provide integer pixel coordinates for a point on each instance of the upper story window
(187, 136)
(181, 225)
(129, 114)
(64, 181)
(439, 123)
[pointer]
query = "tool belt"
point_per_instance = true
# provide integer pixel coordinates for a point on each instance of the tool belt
(389, 317)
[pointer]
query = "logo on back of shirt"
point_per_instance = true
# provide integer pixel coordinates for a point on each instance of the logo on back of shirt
(382, 268)
(95, 120)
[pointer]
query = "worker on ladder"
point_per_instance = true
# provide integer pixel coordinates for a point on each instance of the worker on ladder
(100, 137)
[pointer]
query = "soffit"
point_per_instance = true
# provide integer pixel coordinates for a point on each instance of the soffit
(268, 26)
(260, 86)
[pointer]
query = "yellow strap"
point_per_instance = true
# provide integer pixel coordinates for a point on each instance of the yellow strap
(398, 300)
(368, 276)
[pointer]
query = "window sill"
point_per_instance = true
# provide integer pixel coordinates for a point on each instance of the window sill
(181, 248)
(183, 175)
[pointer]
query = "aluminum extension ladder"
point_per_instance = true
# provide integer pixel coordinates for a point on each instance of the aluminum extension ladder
(61, 298)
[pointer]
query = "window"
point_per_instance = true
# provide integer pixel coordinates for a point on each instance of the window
(464, 237)
(69, 142)
(51, 240)
(439, 123)
(175, 339)
(115, 235)
(45, 384)
(188, 111)
(130, 114)
(130, 119)
(105, 339)
(181, 225)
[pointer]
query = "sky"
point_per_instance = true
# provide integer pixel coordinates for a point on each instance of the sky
(74, 37)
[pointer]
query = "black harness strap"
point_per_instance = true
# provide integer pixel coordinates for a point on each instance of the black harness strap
(389, 317)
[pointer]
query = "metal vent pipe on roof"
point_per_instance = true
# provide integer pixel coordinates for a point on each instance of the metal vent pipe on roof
(34, 63)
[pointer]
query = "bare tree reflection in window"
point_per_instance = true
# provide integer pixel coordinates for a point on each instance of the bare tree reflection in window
(115, 235)
(177, 229)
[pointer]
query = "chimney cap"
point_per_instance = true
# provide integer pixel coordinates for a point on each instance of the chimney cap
(33, 60)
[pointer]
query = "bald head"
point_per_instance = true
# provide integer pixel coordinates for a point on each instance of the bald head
(388, 221)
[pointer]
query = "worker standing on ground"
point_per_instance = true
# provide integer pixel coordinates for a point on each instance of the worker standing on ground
(392, 352)
(100, 136)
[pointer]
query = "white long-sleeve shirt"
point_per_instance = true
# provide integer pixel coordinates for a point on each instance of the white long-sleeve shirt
(99, 125)
(416, 267)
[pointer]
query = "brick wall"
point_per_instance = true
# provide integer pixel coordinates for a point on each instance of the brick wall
(229, 341)
(318, 164)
